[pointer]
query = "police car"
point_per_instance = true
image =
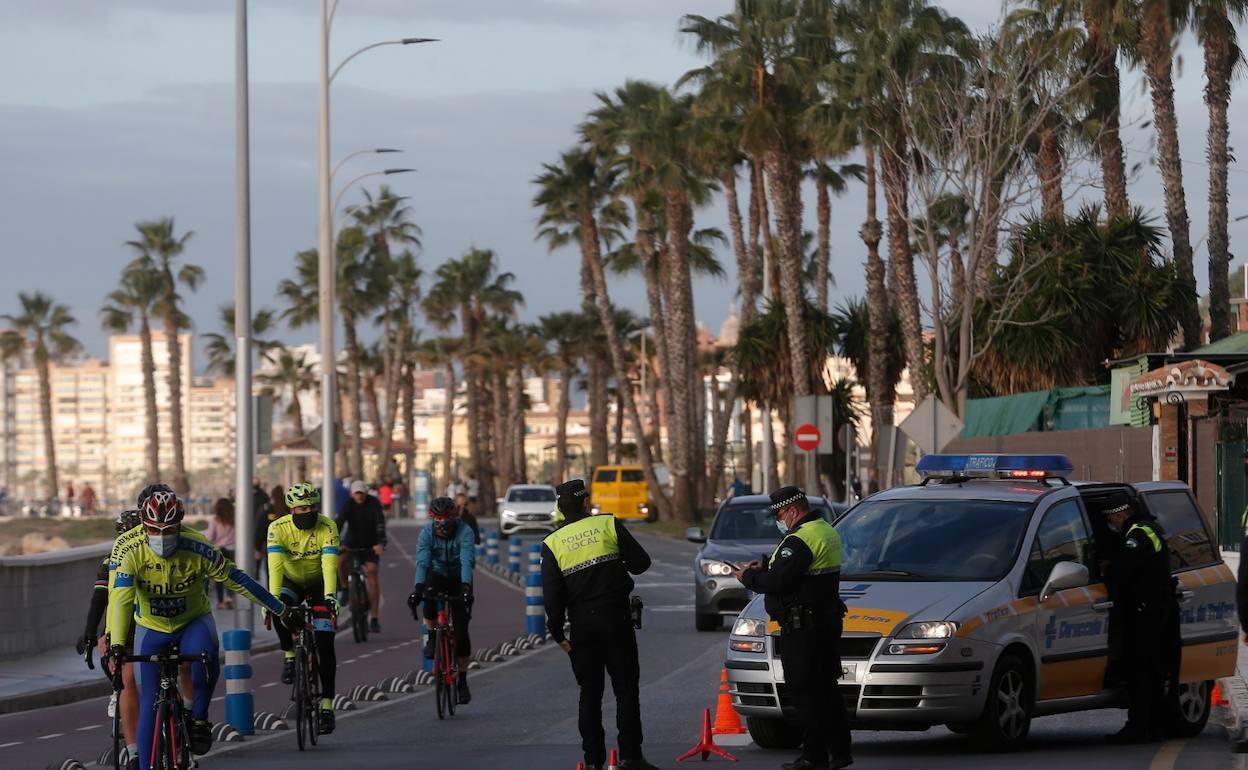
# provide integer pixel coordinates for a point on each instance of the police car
(976, 601)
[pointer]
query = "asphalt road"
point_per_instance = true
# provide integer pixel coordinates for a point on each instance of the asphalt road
(523, 714)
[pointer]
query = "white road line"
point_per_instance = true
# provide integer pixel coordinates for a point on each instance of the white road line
(10, 743)
(345, 662)
(88, 727)
(684, 584)
(269, 684)
(219, 697)
(49, 735)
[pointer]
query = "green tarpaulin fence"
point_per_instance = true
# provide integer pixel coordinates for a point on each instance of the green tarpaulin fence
(1042, 410)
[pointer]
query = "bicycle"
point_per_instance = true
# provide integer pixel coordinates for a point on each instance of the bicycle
(305, 691)
(357, 594)
(171, 740)
(114, 707)
(445, 667)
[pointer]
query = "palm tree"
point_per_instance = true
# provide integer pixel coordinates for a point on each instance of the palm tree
(158, 248)
(219, 347)
(567, 332)
(41, 328)
(1215, 26)
(292, 373)
(570, 195)
(441, 352)
(1108, 25)
(401, 284)
(137, 297)
(829, 181)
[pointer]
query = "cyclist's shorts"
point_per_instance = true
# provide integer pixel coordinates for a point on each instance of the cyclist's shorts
(366, 554)
(293, 593)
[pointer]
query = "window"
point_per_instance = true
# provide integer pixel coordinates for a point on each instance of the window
(752, 521)
(531, 495)
(634, 476)
(1185, 529)
(1062, 536)
(605, 476)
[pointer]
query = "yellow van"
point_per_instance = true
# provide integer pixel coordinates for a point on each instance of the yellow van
(620, 490)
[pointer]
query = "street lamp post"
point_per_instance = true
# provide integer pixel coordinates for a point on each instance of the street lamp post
(325, 270)
(243, 450)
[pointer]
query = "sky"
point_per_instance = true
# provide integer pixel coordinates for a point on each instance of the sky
(117, 112)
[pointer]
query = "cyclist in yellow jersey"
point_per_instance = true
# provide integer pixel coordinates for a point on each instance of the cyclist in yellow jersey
(159, 585)
(303, 564)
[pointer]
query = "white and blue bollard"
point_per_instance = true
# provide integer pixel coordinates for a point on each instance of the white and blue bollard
(491, 548)
(535, 557)
(514, 549)
(240, 705)
(535, 608)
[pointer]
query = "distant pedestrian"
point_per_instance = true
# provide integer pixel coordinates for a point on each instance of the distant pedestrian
(385, 493)
(474, 489)
(88, 500)
(220, 533)
(69, 493)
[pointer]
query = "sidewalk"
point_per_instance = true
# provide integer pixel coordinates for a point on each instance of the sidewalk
(61, 676)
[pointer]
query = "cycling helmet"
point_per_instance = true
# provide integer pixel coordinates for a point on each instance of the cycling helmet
(301, 495)
(445, 516)
(126, 521)
(162, 509)
(148, 490)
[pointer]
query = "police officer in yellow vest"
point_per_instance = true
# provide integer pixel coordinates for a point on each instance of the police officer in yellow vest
(801, 582)
(585, 579)
(1144, 637)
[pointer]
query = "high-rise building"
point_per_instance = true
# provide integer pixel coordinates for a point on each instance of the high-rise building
(8, 424)
(128, 405)
(80, 427)
(210, 427)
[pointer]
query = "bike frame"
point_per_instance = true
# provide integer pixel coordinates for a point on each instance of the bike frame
(170, 714)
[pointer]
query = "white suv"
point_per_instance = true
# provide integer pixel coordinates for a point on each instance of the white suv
(527, 507)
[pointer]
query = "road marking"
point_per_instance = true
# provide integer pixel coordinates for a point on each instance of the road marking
(683, 584)
(345, 662)
(1167, 755)
(49, 735)
(88, 727)
(269, 684)
(219, 697)
(10, 743)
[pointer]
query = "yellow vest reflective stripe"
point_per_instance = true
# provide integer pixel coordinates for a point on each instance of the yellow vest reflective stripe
(581, 544)
(824, 544)
(1148, 530)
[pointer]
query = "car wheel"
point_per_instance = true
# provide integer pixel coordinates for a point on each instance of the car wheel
(1188, 709)
(708, 622)
(770, 733)
(1006, 719)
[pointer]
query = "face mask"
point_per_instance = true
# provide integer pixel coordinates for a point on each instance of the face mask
(445, 529)
(304, 520)
(780, 525)
(163, 545)
(1115, 528)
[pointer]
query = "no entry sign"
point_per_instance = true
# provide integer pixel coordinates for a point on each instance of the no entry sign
(806, 437)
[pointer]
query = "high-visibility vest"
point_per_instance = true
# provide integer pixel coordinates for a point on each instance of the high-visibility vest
(1147, 530)
(580, 544)
(824, 543)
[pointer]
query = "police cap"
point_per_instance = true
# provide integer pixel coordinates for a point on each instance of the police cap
(573, 488)
(1115, 502)
(784, 497)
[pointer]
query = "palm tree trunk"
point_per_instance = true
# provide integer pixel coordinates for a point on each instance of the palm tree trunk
(1050, 166)
(392, 376)
(654, 299)
(752, 272)
(561, 426)
(746, 421)
(879, 315)
(697, 467)
(181, 483)
(519, 463)
(374, 408)
(355, 456)
(408, 398)
(771, 270)
(485, 423)
(786, 194)
(501, 431)
(45, 412)
(1107, 98)
(151, 423)
(618, 428)
(895, 172)
(1218, 61)
(593, 256)
(598, 434)
(1156, 38)
(448, 423)
(746, 274)
(680, 379)
(652, 395)
(822, 266)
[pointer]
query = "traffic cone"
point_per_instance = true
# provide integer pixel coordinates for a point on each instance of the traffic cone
(727, 722)
(706, 745)
(613, 761)
(1218, 698)
(580, 766)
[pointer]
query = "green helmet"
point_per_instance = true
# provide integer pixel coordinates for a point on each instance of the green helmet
(301, 495)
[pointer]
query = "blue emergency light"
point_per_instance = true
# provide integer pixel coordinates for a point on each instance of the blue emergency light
(995, 466)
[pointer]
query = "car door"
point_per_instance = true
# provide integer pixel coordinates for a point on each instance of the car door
(1071, 625)
(1206, 586)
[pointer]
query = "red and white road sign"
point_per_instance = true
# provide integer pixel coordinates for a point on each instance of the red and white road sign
(806, 437)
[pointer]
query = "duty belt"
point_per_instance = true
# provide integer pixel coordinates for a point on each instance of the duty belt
(824, 571)
(592, 562)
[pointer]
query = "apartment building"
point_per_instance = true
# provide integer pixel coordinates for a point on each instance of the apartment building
(80, 427)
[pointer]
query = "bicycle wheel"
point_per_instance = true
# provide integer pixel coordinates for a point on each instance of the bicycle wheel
(179, 723)
(448, 664)
(359, 608)
(439, 674)
(300, 696)
(313, 688)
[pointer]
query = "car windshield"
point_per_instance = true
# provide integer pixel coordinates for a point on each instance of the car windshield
(751, 522)
(930, 539)
(539, 495)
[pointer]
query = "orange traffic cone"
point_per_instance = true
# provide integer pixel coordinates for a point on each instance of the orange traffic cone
(727, 722)
(706, 745)
(580, 766)
(1218, 698)
(613, 761)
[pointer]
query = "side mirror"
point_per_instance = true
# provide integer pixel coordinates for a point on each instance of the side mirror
(1065, 574)
(695, 535)
(500, 500)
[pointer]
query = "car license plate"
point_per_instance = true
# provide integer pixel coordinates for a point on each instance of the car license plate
(849, 672)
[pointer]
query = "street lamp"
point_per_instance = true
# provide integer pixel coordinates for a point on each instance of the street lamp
(325, 252)
(358, 153)
(346, 187)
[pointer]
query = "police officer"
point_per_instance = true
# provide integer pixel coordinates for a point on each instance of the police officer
(1144, 643)
(801, 581)
(585, 578)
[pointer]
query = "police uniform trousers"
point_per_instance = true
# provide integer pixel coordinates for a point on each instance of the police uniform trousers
(1150, 658)
(812, 668)
(603, 641)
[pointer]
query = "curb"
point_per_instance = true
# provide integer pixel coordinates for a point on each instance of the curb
(1234, 715)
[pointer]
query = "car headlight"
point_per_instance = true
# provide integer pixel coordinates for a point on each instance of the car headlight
(938, 629)
(749, 627)
(714, 568)
(508, 513)
(594, 510)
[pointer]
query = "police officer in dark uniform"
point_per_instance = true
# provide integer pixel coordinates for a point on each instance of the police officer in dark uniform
(1144, 637)
(802, 586)
(585, 579)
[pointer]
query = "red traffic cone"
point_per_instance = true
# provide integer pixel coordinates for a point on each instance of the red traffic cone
(613, 761)
(580, 766)
(706, 745)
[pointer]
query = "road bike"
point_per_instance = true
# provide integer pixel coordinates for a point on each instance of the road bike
(445, 667)
(114, 707)
(357, 593)
(305, 691)
(171, 740)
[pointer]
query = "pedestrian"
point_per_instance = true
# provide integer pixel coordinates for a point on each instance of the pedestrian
(801, 584)
(220, 533)
(473, 488)
(385, 493)
(1144, 636)
(88, 500)
(585, 579)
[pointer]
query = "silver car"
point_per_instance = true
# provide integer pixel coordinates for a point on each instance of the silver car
(743, 529)
(976, 601)
(527, 508)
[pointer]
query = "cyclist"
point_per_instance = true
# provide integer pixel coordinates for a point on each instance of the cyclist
(362, 525)
(303, 564)
(444, 562)
(160, 583)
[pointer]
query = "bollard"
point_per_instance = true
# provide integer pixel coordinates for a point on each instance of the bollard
(240, 704)
(513, 555)
(535, 609)
(535, 557)
(491, 548)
